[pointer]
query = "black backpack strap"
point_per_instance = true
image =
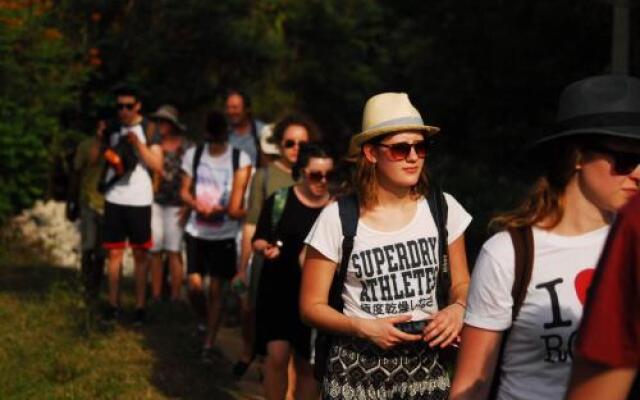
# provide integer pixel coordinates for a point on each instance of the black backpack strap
(523, 247)
(522, 238)
(235, 159)
(439, 210)
(348, 209)
(197, 155)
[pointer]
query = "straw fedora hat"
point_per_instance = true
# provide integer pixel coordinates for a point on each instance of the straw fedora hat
(387, 113)
(605, 105)
(168, 113)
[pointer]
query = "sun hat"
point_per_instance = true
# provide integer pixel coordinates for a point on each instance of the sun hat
(168, 113)
(266, 142)
(607, 105)
(387, 113)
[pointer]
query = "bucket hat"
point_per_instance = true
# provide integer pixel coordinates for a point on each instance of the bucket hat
(607, 105)
(386, 113)
(168, 113)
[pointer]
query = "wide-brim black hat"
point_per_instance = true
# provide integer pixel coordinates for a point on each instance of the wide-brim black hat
(607, 105)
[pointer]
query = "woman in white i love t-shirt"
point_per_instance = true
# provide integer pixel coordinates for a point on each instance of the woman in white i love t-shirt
(589, 171)
(392, 273)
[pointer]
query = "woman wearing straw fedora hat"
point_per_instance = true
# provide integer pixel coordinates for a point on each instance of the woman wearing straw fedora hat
(394, 317)
(167, 209)
(530, 280)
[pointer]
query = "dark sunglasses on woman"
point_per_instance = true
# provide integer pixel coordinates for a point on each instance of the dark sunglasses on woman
(400, 151)
(318, 176)
(623, 163)
(289, 143)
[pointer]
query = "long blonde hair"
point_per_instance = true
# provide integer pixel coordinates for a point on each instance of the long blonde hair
(544, 204)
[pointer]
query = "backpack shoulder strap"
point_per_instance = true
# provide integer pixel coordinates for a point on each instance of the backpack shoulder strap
(522, 238)
(235, 158)
(197, 155)
(149, 128)
(279, 201)
(349, 212)
(439, 210)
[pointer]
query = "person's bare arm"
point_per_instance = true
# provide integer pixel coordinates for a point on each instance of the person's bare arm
(476, 363)
(447, 323)
(302, 256)
(185, 192)
(594, 381)
(248, 230)
(317, 275)
(151, 156)
(241, 179)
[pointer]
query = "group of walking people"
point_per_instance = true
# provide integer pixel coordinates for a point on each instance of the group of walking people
(368, 295)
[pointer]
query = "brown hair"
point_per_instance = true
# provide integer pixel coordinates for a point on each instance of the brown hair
(544, 204)
(295, 119)
(366, 184)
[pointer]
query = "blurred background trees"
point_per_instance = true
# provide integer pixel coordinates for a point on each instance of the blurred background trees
(488, 72)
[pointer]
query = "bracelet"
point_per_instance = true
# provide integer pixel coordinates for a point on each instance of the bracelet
(461, 304)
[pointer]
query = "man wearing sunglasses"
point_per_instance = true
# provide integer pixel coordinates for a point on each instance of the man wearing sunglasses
(127, 217)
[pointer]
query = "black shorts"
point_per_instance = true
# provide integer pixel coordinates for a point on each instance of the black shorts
(122, 223)
(211, 257)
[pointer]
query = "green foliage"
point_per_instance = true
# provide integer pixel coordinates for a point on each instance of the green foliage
(39, 79)
(487, 72)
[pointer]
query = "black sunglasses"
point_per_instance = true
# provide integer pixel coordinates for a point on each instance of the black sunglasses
(624, 163)
(128, 106)
(289, 143)
(317, 176)
(400, 151)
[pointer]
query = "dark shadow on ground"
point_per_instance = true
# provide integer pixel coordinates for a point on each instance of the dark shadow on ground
(178, 371)
(34, 281)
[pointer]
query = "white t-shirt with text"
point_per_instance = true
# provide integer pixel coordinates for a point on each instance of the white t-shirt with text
(134, 188)
(389, 273)
(215, 182)
(539, 351)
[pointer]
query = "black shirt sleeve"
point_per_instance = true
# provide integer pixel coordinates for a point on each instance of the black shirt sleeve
(264, 229)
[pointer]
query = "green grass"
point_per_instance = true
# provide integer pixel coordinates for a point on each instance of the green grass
(53, 346)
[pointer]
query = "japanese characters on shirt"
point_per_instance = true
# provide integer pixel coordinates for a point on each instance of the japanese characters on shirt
(539, 350)
(135, 188)
(389, 273)
(215, 182)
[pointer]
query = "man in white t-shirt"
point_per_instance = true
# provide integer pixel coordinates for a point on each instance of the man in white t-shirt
(216, 176)
(128, 198)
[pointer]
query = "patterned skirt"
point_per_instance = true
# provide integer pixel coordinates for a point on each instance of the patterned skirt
(359, 370)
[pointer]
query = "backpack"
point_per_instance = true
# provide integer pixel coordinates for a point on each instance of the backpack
(348, 210)
(124, 151)
(523, 246)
